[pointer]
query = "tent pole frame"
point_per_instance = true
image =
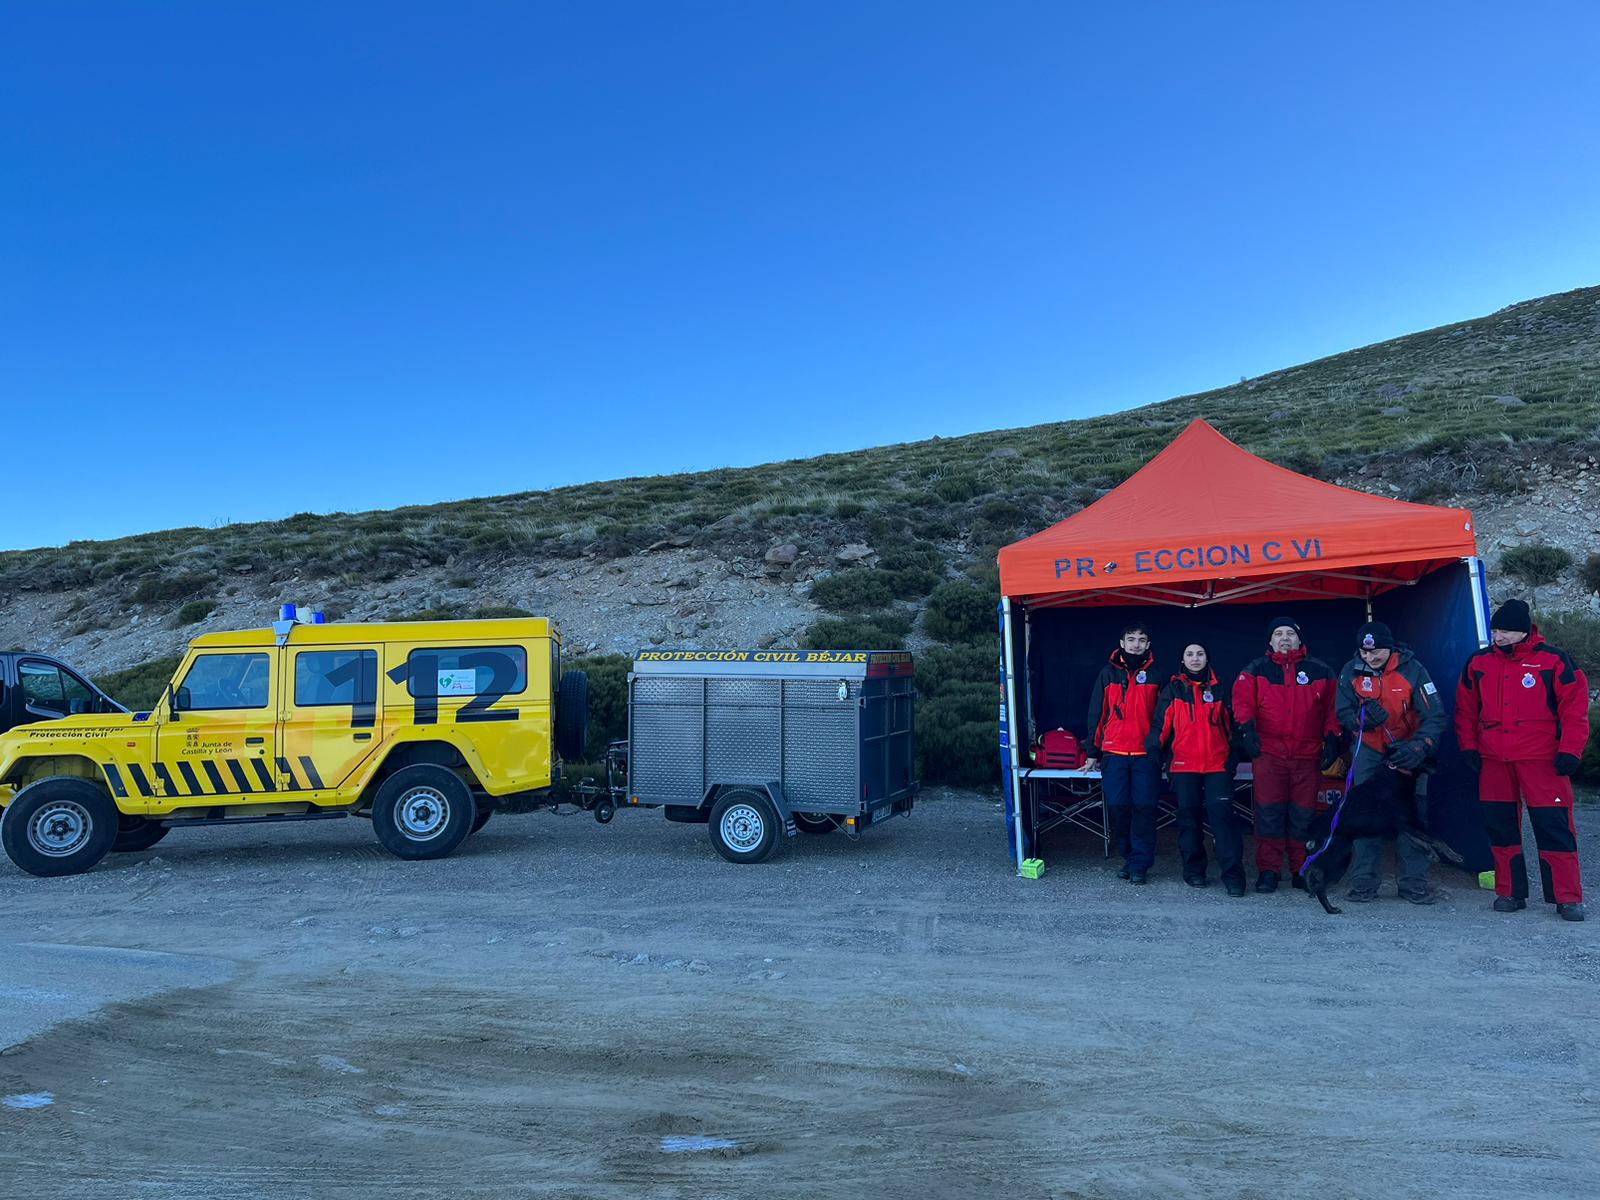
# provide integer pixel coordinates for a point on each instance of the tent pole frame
(1012, 711)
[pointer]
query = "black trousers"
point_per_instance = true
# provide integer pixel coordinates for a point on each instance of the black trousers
(1208, 798)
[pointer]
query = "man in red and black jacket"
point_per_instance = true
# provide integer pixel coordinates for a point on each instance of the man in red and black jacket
(1121, 709)
(1284, 704)
(1522, 719)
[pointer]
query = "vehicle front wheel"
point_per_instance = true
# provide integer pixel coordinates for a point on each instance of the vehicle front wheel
(481, 819)
(744, 826)
(422, 811)
(62, 825)
(135, 834)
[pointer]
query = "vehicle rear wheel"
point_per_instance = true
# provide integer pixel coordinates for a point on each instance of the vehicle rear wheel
(744, 826)
(572, 716)
(482, 819)
(62, 825)
(135, 834)
(422, 811)
(814, 822)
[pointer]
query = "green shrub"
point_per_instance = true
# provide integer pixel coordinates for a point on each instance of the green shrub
(139, 687)
(196, 610)
(1579, 636)
(1589, 573)
(859, 589)
(156, 589)
(496, 612)
(944, 669)
(913, 571)
(875, 631)
(958, 737)
(953, 489)
(1589, 772)
(608, 700)
(960, 611)
(1535, 563)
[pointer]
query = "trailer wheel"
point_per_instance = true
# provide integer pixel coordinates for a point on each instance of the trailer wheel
(814, 822)
(572, 716)
(422, 811)
(135, 834)
(62, 825)
(744, 826)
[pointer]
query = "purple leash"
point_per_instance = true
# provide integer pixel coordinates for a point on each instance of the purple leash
(1349, 782)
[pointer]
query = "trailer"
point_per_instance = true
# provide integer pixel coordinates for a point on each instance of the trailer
(754, 743)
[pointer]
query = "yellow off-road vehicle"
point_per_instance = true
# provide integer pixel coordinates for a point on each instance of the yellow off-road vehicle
(426, 727)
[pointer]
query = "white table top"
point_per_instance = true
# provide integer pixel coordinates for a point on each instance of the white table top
(1245, 771)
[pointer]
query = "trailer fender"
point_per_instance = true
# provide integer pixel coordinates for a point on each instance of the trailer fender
(771, 787)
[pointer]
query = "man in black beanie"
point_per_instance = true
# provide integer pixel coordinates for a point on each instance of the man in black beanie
(1389, 706)
(1522, 718)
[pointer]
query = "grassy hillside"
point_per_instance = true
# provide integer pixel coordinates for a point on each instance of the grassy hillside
(1439, 409)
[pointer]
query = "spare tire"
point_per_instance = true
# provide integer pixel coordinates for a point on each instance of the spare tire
(572, 716)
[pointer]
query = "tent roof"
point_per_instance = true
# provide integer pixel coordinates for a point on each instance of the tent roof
(1206, 522)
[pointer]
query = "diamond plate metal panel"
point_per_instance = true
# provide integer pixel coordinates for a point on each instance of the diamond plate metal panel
(742, 725)
(666, 753)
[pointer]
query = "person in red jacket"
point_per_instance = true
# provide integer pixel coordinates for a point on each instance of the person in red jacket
(1284, 703)
(1522, 719)
(1192, 719)
(1121, 709)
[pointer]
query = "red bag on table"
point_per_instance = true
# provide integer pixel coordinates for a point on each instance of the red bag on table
(1058, 749)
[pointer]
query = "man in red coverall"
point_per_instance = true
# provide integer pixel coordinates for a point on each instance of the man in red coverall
(1284, 705)
(1121, 709)
(1522, 719)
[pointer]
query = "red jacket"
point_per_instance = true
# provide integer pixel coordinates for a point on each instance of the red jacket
(1290, 699)
(1193, 717)
(1526, 702)
(1122, 706)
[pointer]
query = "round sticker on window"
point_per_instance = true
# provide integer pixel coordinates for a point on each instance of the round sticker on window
(1302, 677)
(1528, 680)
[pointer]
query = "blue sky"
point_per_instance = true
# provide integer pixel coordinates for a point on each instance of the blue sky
(258, 259)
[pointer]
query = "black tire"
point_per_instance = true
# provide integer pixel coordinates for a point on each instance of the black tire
(814, 823)
(480, 820)
(63, 825)
(422, 811)
(135, 834)
(744, 826)
(572, 716)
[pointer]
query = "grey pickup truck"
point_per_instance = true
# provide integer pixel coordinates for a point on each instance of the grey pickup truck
(36, 687)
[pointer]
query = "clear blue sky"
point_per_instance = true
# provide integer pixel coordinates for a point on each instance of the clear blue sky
(264, 258)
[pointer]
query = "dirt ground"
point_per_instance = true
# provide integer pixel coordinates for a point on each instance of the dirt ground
(569, 1010)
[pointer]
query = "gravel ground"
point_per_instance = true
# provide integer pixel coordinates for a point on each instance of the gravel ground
(568, 1010)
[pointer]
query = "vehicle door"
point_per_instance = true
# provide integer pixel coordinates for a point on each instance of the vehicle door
(331, 721)
(43, 691)
(219, 731)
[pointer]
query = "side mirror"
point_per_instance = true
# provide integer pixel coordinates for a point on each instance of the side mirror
(175, 698)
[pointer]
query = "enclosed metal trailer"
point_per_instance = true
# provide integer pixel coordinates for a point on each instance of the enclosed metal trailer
(758, 742)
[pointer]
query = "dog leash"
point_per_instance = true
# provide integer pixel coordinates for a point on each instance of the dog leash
(1349, 783)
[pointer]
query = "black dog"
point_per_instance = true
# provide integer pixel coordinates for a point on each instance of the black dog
(1384, 806)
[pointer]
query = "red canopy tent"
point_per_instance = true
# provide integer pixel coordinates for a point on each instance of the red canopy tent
(1207, 522)
(1206, 525)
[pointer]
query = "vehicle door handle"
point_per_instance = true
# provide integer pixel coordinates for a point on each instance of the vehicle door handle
(361, 737)
(256, 741)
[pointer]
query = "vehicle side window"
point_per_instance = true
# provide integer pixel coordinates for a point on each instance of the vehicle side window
(226, 681)
(42, 689)
(468, 671)
(335, 677)
(79, 698)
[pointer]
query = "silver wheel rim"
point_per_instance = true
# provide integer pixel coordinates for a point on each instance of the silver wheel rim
(422, 813)
(60, 829)
(743, 828)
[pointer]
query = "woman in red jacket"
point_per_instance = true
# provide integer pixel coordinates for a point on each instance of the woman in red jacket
(1192, 719)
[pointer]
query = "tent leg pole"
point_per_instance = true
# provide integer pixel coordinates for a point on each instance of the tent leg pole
(1014, 730)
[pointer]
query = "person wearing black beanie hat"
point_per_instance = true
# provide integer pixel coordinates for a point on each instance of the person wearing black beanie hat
(1389, 706)
(1522, 721)
(1283, 702)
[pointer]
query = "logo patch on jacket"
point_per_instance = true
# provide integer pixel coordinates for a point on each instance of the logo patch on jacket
(1207, 696)
(1366, 683)
(1528, 681)
(1302, 677)
(1141, 677)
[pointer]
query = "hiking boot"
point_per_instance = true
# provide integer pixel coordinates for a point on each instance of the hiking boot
(1507, 904)
(1122, 873)
(1361, 895)
(1266, 882)
(1428, 897)
(1197, 881)
(1570, 912)
(1137, 877)
(1234, 888)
